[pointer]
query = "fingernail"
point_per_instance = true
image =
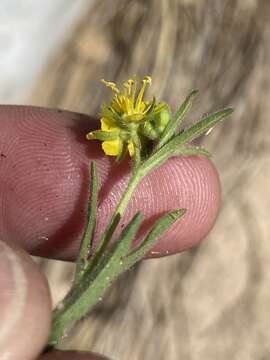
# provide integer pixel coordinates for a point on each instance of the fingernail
(12, 290)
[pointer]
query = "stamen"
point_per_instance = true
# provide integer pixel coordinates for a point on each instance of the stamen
(133, 93)
(128, 86)
(111, 85)
(146, 81)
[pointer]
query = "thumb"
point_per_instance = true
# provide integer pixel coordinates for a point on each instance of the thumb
(25, 305)
(71, 355)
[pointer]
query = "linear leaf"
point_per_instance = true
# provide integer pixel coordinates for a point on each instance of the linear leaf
(87, 241)
(189, 151)
(201, 127)
(161, 225)
(171, 147)
(106, 237)
(127, 236)
(120, 248)
(177, 119)
(83, 297)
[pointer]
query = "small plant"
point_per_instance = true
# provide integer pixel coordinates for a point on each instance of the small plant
(149, 133)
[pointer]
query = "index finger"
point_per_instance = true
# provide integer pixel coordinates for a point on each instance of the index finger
(44, 161)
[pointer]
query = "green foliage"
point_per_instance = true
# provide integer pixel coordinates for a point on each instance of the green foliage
(97, 268)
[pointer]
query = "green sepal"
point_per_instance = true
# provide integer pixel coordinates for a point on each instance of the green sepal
(163, 119)
(105, 135)
(151, 107)
(123, 151)
(108, 112)
(148, 130)
(154, 127)
(136, 118)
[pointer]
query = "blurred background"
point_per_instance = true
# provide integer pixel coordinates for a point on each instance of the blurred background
(211, 302)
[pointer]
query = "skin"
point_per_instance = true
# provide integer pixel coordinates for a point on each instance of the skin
(44, 161)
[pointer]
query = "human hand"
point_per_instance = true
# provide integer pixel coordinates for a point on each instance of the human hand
(44, 161)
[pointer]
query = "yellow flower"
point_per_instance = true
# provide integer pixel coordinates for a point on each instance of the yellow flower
(127, 119)
(126, 103)
(114, 147)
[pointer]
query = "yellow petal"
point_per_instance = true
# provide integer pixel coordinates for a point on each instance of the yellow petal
(107, 124)
(131, 149)
(112, 147)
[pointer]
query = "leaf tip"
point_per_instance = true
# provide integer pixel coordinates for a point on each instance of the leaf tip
(176, 214)
(194, 92)
(228, 111)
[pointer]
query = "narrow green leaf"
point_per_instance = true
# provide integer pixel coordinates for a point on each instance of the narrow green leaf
(113, 256)
(83, 297)
(108, 233)
(171, 147)
(102, 246)
(127, 236)
(201, 127)
(161, 225)
(87, 241)
(120, 248)
(189, 151)
(177, 119)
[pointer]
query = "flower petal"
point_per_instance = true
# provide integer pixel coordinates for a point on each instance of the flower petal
(112, 147)
(107, 124)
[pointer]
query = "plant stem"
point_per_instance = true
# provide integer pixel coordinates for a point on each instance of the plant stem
(119, 211)
(93, 276)
(133, 182)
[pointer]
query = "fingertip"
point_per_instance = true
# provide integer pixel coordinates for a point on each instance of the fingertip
(71, 355)
(45, 178)
(200, 196)
(182, 182)
(25, 305)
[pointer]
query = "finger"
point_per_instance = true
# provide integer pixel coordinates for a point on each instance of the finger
(71, 355)
(25, 306)
(44, 182)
